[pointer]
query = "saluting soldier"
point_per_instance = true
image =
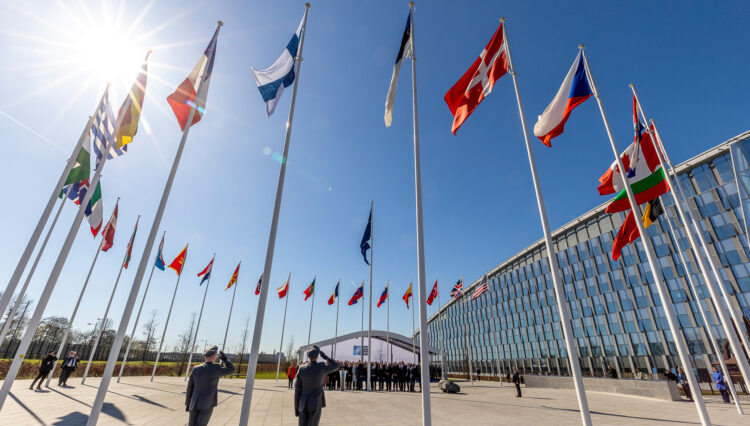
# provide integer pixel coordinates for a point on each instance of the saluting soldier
(202, 388)
(309, 397)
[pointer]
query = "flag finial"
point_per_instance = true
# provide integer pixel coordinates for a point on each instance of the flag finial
(307, 5)
(411, 4)
(502, 19)
(221, 23)
(580, 46)
(148, 53)
(631, 85)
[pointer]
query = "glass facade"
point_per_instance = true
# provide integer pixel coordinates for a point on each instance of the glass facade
(616, 314)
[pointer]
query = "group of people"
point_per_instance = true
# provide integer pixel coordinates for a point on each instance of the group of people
(68, 366)
(385, 376)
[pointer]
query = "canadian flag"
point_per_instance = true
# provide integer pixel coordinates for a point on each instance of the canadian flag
(466, 95)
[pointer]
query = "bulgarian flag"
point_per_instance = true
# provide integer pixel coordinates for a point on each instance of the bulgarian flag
(108, 234)
(130, 245)
(310, 290)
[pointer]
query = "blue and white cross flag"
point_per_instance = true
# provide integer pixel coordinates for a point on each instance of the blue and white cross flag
(272, 80)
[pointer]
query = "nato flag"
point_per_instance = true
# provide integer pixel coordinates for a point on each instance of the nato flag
(365, 244)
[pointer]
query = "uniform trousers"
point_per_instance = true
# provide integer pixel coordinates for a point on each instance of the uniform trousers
(200, 417)
(310, 418)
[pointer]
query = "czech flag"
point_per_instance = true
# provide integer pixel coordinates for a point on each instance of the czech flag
(205, 274)
(335, 295)
(407, 296)
(573, 92)
(179, 261)
(357, 294)
(383, 296)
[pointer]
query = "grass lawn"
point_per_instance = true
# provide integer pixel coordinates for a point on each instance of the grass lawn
(264, 375)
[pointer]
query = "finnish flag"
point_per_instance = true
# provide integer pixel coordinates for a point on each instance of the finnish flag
(272, 80)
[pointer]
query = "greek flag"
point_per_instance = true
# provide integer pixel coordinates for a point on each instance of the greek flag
(103, 129)
(273, 80)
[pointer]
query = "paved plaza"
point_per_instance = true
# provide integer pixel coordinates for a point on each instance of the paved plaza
(136, 401)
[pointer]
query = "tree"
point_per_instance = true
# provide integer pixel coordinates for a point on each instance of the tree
(184, 343)
(244, 341)
(51, 329)
(18, 322)
(149, 330)
(289, 350)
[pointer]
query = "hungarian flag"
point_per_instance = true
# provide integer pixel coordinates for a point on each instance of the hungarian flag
(205, 274)
(628, 232)
(159, 262)
(433, 293)
(477, 82)
(383, 296)
(130, 111)
(233, 280)
(335, 295)
(407, 296)
(358, 294)
(310, 290)
(192, 93)
(130, 245)
(179, 261)
(108, 234)
(284, 289)
(257, 286)
(644, 172)
(573, 92)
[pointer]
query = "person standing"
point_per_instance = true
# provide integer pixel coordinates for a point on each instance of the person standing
(517, 381)
(412, 377)
(309, 396)
(479, 375)
(682, 380)
(721, 385)
(44, 368)
(67, 368)
(290, 373)
(202, 389)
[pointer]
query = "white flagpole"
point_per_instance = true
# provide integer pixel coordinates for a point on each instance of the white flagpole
(440, 336)
(562, 305)
(468, 355)
(729, 331)
(101, 393)
(336, 333)
(198, 326)
(231, 307)
(169, 313)
(312, 305)
(73, 316)
(413, 347)
(106, 312)
(369, 323)
(138, 317)
(31, 244)
(388, 323)
(653, 262)
(283, 326)
(17, 304)
(362, 329)
(36, 317)
(252, 364)
(424, 352)
(499, 373)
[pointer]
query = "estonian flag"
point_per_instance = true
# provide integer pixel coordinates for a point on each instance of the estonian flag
(404, 51)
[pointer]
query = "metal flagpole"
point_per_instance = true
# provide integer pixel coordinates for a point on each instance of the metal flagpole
(369, 323)
(336, 333)
(413, 330)
(562, 304)
(96, 407)
(169, 313)
(247, 397)
(223, 345)
(106, 312)
(388, 323)
(198, 326)
(720, 308)
(73, 316)
(312, 305)
(138, 317)
(283, 326)
(653, 262)
(17, 304)
(703, 311)
(440, 337)
(36, 317)
(31, 244)
(499, 373)
(424, 352)
(468, 354)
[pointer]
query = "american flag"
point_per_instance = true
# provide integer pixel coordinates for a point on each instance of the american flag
(103, 129)
(458, 289)
(482, 288)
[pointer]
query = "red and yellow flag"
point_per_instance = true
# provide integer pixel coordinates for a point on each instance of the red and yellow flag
(179, 261)
(407, 296)
(130, 111)
(233, 280)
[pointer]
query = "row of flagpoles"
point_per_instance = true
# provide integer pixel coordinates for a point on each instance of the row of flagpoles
(644, 182)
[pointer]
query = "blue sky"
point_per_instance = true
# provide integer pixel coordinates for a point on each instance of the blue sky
(689, 64)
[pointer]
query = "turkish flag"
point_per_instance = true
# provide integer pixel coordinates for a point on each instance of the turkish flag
(433, 294)
(466, 95)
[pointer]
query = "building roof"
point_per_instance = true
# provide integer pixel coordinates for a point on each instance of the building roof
(397, 340)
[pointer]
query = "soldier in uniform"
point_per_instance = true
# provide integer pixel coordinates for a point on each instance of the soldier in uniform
(309, 397)
(202, 388)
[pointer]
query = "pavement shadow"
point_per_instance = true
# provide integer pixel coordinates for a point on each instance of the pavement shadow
(624, 416)
(74, 418)
(28, 410)
(153, 388)
(111, 410)
(148, 401)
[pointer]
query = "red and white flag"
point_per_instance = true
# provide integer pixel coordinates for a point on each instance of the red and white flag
(433, 293)
(466, 95)
(108, 234)
(257, 287)
(482, 288)
(284, 289)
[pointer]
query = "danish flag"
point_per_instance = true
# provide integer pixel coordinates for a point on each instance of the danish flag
(466, 95)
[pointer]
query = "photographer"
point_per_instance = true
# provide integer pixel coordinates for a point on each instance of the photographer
(202, 389)
(309, 398)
